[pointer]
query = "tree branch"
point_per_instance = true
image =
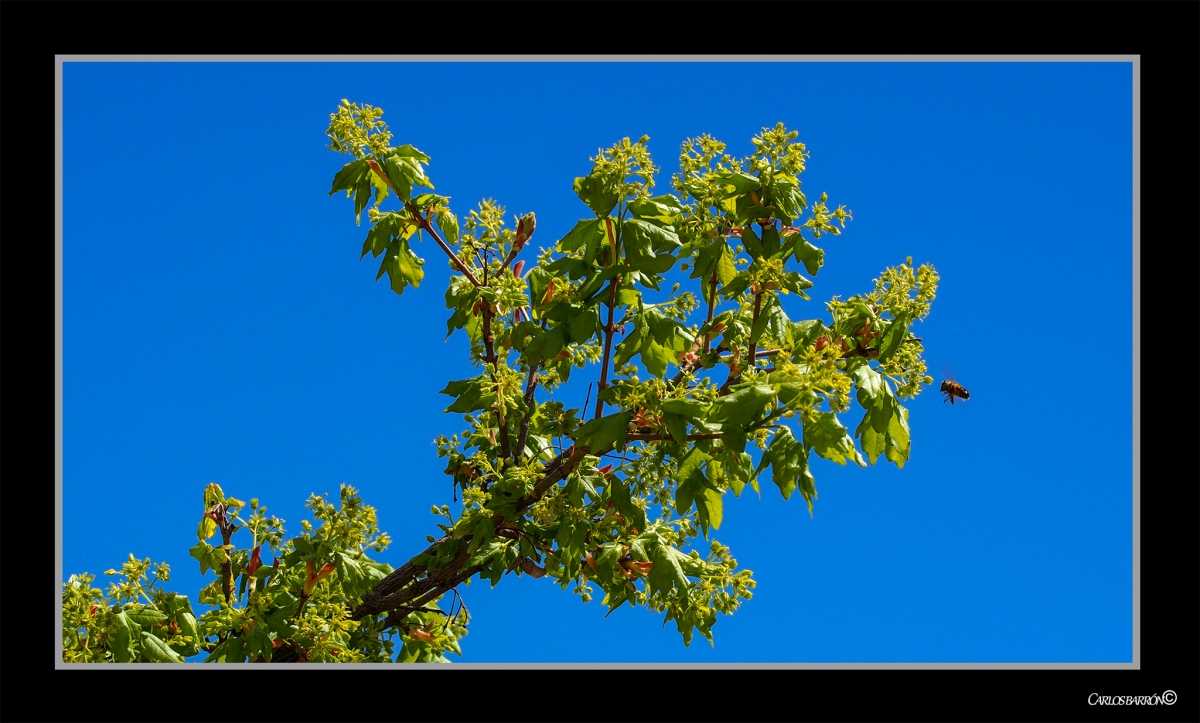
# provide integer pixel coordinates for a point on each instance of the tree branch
(220, 514)
(424, 224)
(757, 308)
(633, 437)
(402, 586)
(712, 305)
(609, 330)
(523, 434)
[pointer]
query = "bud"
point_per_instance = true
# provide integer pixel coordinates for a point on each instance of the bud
(421, 635)
(525, 228)
(518, 268)
(255, 560)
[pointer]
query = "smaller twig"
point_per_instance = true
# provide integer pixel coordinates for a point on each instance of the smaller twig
(423, 223)
(634, 437)
(609, 330)
(757, 308)
(712, 305)
(523, 434)
(769, 352)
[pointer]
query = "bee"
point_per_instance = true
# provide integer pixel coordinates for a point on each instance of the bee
(952, 388)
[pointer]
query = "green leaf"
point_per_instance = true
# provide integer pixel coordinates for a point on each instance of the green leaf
(604, 433)
(404, 172)
(187, 626)
(633, 514)
(486, 552)
(600, 194)
(351, 575)
(812, 257)
(734, 437)
(362, 196)
(258, 645)
(789, 466)
(664, 209)
(594, 286)
(381, 189)
(407, 151)
(207, 529)
(899, 444)
(157, 651)
(752, 243)
(708, 505)
(649, 238)
(121, 636)
(145, 617)
(764, 316)
(706, 259)
(739, 182)
(349, 176)
(553, 341)
(825, 435)
(743, 406)
(726, 269)
(217, 557)
(696, 488)
(873, 443)
(582, 326)
(632, 343)
(652, 266)
(588, 232)
(676, 426)
(770, 241)
(402, 266)
(739, 469)
(870, 386)
(894, 336)
(788, 198)
(690, 464)
(468, 393)
(667, 571)
(280, 620)
(690, 408)
(201, 551)
(448, 223)
(656, 357)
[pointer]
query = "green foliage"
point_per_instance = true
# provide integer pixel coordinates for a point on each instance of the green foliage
(708, 389)
(295, 609)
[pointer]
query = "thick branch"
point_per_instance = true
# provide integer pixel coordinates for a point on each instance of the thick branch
(446, 585)
(402, 587)
(555, 471)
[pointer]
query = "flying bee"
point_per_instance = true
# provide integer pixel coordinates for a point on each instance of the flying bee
(952, 388)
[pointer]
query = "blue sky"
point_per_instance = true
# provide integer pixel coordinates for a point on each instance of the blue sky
(218, 327)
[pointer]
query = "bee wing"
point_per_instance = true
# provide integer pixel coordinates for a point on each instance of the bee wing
(948, 372)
